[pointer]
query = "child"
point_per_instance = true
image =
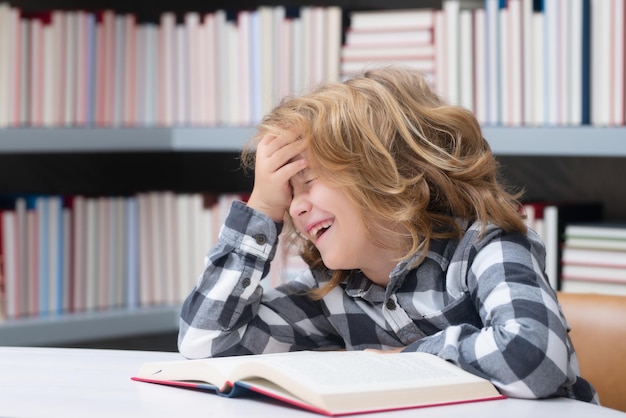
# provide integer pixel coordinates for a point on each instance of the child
(412, 243)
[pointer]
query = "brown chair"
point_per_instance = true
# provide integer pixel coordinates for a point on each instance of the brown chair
(598, 332)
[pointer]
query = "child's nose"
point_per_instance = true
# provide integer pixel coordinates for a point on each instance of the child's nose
(299, 205)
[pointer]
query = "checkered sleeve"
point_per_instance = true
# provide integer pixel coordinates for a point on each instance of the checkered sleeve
(523, 347)
(227, 312)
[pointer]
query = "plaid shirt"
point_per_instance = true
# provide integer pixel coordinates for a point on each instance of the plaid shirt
(482, 303)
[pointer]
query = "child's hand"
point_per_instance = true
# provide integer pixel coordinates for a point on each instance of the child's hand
(277, 160)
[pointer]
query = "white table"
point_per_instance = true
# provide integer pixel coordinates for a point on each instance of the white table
(61, 382)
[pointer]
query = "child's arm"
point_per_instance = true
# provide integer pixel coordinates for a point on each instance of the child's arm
(523, 347)
(227, 314)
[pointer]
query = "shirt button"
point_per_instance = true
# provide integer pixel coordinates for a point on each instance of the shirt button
(260, 239)
(391, 305)
(245, 282)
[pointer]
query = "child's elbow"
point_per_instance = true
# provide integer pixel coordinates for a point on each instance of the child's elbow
(195, 344)
(546, 380)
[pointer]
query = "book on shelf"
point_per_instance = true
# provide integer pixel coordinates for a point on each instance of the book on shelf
(608, 273)
(329, 382)
(355, 52)
(602, 244)
(376, 38)
(479, 37)
(602, 236)
(425, 65)
(597, 230)
(373, 20)
(19, 254)
(593, 286)
(594, 258)
(533, 63)
(466, 59)
(75, 253)
(9, 285)
(549, 219)
(392, 37)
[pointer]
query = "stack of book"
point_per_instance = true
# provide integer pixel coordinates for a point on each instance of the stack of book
(594, 258)
(74, 253)
(106, 69)
(389, 37)
(550, 219)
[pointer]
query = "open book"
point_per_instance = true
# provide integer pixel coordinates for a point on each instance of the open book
(329, 382)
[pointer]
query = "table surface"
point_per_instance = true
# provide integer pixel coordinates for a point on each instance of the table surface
(65, 382)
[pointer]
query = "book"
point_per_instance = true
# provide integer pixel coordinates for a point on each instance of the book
(556, 216)
(590, 263)
(391, 38)
(9, 274)
(479, 42)
(492, 58)
(593, 257)
(618, 61)
(351, 68)
(597, 243)
(385, 19)
(593, 286)
(616, 274)
(601, 23)
(329, 382)
(333, 43)
(351, 52)
(449, 84)
(466, 59)
(597, 230)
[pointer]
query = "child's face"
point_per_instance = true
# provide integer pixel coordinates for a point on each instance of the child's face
(324, 215)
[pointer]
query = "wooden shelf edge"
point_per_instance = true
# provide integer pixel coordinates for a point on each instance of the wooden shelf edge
(89, 326)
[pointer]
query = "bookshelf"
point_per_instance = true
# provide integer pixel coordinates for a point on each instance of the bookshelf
(76, 140)
(517, 141)
(549, 162)
(90, 326)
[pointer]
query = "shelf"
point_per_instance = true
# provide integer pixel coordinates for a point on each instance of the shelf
(584, 141)
(75, 140)
(91, 326)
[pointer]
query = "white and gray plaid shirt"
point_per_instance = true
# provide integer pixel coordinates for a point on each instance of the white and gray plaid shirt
(481, 303)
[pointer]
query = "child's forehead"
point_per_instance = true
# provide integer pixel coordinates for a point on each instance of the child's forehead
(302, 176)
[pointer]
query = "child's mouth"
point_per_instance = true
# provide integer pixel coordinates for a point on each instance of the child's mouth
(318, 230)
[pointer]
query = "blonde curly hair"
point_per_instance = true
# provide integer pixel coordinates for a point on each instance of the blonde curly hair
(402, 155)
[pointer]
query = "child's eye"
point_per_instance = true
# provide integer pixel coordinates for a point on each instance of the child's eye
(310, 180)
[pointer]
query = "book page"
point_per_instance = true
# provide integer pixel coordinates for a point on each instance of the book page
(213, 371)
(359, 380)
(362, 368)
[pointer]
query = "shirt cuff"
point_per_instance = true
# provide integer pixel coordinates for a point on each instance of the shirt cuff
(250, 230)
